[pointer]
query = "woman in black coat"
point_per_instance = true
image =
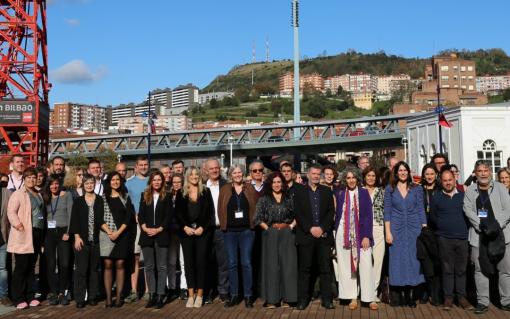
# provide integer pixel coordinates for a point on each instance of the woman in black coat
(154, 218)
(195, 217)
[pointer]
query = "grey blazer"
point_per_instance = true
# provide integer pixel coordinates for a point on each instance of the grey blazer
(500, 202)
(4, 221)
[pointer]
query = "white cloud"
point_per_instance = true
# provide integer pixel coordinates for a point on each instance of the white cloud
(77, 72)
(73, 22)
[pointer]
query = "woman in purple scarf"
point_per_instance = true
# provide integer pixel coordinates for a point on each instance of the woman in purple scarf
(354, 241)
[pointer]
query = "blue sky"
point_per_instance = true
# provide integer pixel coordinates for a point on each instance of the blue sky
(112, 51)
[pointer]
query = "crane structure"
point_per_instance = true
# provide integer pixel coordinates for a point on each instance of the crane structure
(24, 85)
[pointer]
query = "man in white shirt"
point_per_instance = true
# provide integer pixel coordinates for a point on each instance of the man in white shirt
(214, 183)
(16, 176)
(257, 175)
(94, 169)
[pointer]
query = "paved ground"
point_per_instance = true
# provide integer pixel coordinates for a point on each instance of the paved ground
(176, 309)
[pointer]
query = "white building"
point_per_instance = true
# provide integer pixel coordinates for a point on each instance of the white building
(478, 132)
(161, 97)
(388, 84)
(184, 96)
(492, 83)
(218, 96)
(163, 123)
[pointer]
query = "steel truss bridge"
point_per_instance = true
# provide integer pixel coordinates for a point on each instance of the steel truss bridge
(315, 137)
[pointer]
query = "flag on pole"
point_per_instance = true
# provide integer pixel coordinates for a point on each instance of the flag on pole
(442, 118)
(151, 125)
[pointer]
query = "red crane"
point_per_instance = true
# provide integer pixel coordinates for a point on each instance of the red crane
(24, 86)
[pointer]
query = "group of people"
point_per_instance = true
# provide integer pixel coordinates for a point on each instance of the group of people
(254, 234)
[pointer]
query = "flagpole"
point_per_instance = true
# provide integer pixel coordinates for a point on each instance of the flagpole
(439, 111)
(149, 128)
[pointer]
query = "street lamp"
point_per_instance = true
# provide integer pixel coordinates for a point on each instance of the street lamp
(404, 142)
(231, 143)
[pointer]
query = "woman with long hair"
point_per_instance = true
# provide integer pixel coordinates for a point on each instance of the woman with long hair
(154, 218)
(195, 216)
(57, 246)
(354, 240)
(371, 180)
(430, 183)
(85, 224)
(236, 212)
(404, 217)
(175, 187)
(73, 181)
(275, 215)
(115, 241)
(27, 216)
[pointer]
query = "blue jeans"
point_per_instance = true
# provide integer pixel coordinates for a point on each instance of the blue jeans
(235, 242)
(3, 271)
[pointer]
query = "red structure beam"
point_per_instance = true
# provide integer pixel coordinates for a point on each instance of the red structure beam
(24, 80)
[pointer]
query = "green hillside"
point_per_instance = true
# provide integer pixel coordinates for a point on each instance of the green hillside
(491, 61)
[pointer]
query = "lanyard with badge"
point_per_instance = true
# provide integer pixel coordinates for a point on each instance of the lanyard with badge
(482, 212)
(52, 224)
(238, 214)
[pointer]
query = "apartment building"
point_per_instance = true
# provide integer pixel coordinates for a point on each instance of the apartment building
(74, 116)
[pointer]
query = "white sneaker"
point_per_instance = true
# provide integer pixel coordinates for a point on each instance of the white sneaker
(190, 302)
(198, 302)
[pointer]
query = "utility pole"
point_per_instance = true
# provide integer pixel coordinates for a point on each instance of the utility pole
(297, 110)
(439, 108)
(149, 130)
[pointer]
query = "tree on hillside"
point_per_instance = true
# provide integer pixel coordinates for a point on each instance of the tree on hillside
(213, 103)
(316, 108)
(242, 94)
(339, 91)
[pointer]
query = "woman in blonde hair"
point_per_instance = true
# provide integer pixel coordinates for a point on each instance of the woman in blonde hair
(73, 181)
(154, 218)
(195, 216)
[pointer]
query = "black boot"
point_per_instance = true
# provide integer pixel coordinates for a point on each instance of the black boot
(160, 302)
(411, 298)
(395, 298)
(152, 301)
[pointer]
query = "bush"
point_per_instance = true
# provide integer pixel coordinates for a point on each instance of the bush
(251, 113)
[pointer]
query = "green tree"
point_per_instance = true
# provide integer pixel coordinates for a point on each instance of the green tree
(316, 108)
(242, 94)
(77, 160)
(328, 93)
(213, 103)
(339, 91)
(506, 94)
(251, 113)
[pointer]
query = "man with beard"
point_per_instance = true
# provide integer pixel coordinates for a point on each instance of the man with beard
(487, 203)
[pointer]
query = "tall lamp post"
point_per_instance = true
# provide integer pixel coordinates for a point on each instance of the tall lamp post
(231, 144)
(295, 25)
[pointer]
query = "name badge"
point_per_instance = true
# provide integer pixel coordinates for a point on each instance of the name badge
(239, 214)
(52, 224)
(482, 213)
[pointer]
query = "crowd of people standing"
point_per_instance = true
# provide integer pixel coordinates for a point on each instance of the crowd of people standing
(367, 233)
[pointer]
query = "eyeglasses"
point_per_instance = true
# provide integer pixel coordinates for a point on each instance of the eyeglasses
(257, 170)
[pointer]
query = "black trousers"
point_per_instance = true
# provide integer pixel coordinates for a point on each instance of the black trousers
(57, 251)
(454, 259)
(86, 275)
(23, 276)
(196, 254)
(317, 251)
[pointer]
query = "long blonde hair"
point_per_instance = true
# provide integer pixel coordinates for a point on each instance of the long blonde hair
(189, 171)
(148, 192)
(70, 178)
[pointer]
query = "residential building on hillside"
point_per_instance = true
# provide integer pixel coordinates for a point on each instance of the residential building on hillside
(184, 96)
(314, 81)
(163, 123)
(75, 116)
(492, 83)
(363, 100)
(161, 97)
(456, 79)
(131, 110)
(387, 84)
(333, 82)
(204, 98)
(362, 83)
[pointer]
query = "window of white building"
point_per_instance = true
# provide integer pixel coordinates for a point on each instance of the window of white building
(490, 153)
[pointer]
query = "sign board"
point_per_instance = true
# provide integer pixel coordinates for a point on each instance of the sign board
(17, 112)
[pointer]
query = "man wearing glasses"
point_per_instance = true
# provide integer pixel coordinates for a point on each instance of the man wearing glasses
(439, 160)
(257, 175)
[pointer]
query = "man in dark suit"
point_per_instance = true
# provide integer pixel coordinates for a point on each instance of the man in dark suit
(314, 209)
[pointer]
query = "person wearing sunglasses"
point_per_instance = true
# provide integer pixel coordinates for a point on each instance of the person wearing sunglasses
(257, 175)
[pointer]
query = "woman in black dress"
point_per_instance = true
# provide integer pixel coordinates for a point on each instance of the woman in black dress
(114, 241)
